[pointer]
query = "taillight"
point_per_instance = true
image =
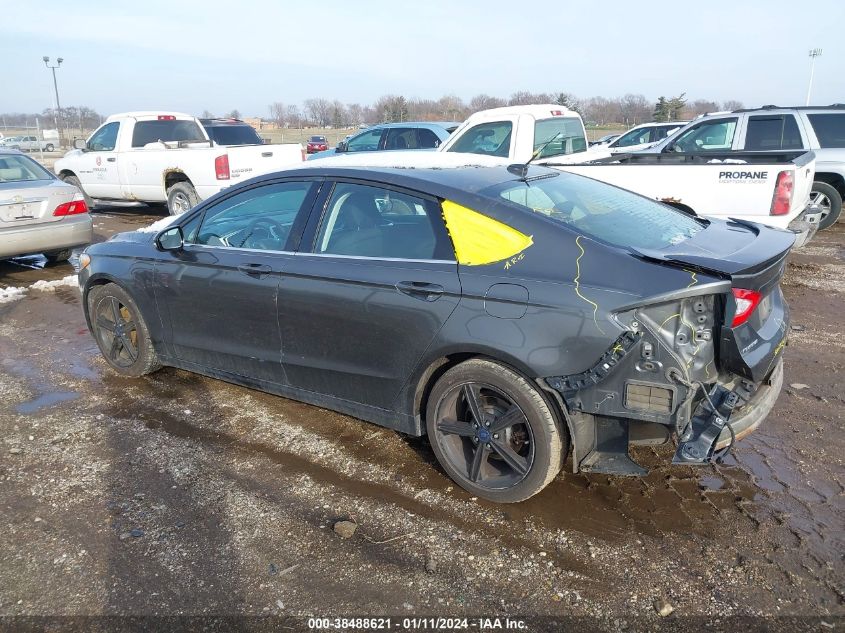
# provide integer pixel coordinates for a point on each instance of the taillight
(303, 155)
(782, 200)
(74, 207)
(746, 301)
(166, 117)
(221, 167)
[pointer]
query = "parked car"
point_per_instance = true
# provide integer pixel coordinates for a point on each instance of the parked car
(393, 136)
(776, 130)
(504, 312)
(770, 189)
(643, 136)
(316, 144)
(9, 141)
(38, 212)
(164, 157)
(230, 132)
(604, 140)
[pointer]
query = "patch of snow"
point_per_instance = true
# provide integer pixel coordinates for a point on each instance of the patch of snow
(50, 286)
(158, 225)
(408, 160)
(13, 293)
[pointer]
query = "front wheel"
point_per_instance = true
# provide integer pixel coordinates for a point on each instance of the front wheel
(49, 147)
(493, 432)
(181, 197)
(828, 198)
(120, 331)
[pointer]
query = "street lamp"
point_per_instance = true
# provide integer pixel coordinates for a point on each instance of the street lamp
(56, 89)
(814, 52)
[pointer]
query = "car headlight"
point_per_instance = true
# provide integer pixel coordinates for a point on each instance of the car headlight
(84, 261)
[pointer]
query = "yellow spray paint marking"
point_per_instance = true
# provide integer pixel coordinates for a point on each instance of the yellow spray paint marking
(694, 279)
(669, 318)
(578, 284)
(780, 346)
(479, 239)
(617, 348)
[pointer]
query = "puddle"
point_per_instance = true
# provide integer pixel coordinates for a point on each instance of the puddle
(46, 400)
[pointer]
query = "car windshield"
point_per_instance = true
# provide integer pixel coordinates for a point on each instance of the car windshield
(599, 210)
(21, 169)
(317, 139)
(234, 135)
(557, 136)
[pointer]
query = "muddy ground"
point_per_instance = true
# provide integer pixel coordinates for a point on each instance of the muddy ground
(176, 494)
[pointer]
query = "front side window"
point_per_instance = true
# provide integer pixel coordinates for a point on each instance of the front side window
(599, 210)
(165, 130)
(260, 218)
(709, 136)
(559, 136)
(772, 133)
(490, 139)
(634, 137)
(369, 221)
(366, 142)
(15, 168)
(104, 139)
(829, 128)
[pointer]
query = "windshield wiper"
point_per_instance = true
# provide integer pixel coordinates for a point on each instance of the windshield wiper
(521, 169)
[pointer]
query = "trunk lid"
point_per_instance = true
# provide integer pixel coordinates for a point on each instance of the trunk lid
(32, 202)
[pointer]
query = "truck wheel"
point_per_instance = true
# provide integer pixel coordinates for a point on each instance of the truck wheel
(828, 198)
(49, 147)
(181, 197)
(73, 180)
(493, 432)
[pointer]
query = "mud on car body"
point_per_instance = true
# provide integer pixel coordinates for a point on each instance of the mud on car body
(505, 312)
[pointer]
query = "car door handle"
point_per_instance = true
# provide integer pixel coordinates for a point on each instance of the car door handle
(420, 290)
(112, 159)
(255, 269)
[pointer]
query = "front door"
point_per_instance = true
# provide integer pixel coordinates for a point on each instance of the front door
(367, 293)
(98, 172)
(220, 292)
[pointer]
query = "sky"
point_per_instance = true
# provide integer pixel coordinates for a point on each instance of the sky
(219, 56)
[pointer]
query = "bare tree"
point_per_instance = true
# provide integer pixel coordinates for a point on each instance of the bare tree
(485, 102)
(207, 114)
(317, 110)
(234, 114)
(278, 113)
(635, 109)
(700, 106)
(523, 97)
(293, 116)
(355, 113)
(732, 104)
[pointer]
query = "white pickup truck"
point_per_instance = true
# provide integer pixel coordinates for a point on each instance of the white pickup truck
(772, 189)
(164, 157)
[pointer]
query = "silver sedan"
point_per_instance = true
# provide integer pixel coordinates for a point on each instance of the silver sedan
(38, 212)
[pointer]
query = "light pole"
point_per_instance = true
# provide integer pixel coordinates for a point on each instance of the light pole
(814, 52)
(56, 89)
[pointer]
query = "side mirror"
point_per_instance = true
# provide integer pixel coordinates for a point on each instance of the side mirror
(80, 143)
(341, 146)
(170, 239)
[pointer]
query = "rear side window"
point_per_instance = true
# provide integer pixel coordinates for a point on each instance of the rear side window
(427, 138)
(490, 139)
(829, 128)
(772, 133)
(558, 136)
(599, 210)
(166, 131)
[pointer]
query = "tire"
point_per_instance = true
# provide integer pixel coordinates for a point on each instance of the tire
(49, 147)
(73, 180)
(58, 256)
(181, 197)
(127, 348)
(517, 459)
(829, 199)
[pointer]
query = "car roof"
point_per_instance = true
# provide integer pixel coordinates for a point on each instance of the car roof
(538, 111)
(449, 175)
(767, 108)
(147, 113)
(221, 122)
(423, 124)
(6, 151)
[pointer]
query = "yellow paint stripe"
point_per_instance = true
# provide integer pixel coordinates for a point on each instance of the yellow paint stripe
(578, 284)
(479, 239)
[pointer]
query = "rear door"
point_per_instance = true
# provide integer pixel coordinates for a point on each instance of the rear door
(372, 285)
(219, 294)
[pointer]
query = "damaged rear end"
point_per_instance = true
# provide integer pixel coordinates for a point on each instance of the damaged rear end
(702, 362)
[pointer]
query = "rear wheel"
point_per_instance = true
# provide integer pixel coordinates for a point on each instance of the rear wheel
(73, 180)
(49, 147)
(120, 331)
(181, 197)
(828, 198)
(493, 432)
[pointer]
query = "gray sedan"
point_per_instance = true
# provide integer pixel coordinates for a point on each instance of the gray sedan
(38, 212)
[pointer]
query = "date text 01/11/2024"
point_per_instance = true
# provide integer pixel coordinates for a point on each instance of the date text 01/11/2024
(417, 623)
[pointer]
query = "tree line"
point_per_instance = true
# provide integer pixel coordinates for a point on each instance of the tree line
(70, 118)
(629, 110)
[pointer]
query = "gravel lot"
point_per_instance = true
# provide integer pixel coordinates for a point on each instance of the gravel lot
(176, 494)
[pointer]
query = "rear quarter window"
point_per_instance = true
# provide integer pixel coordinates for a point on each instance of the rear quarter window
(829, 128)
